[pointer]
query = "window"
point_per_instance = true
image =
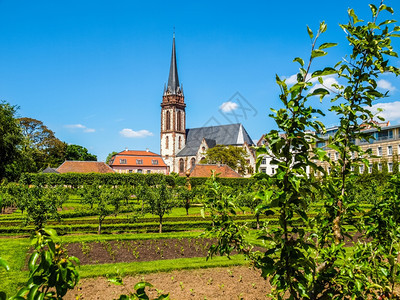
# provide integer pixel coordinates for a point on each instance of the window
(370, 168)
(390, 150)
(379, 151)
(353, 155)
(352, 168)
(336, 155)
(179, 121)
(390, 167)
(329, 155)
(166, 156)
(154, 162)
(167, 142)
(139, 161)
(180, 143)
(168, 120)
(272, 170)
(204, 148)
(140, 171)
(264, 161)
(122, 161)
(181, 165)
(329, 170)
(361, 169)
(263, 170)
(380, 167)
(192, 162)
(320, 144)
(130, 171)
(148, 171)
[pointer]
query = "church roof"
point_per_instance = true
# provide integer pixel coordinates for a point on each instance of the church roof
(173, 87)
(232, 134)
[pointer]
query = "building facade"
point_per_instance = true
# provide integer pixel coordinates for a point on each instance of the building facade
(133, 161)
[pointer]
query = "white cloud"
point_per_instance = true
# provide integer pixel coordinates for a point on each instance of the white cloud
(80, 126)
(391, 110)
(129, 133)
(228, 106)
(386, 85)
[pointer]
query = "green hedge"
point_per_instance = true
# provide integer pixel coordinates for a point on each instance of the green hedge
(134, 179)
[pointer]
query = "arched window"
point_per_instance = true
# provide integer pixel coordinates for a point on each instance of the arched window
(168, 121)
(167, 142)
(180, 143)
(192, 162)
(181, 166)
(179, 121)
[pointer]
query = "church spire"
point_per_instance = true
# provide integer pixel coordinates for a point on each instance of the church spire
(173, 80)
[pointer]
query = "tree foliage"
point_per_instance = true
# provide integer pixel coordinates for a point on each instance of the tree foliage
(79, 153)
(10, 140)
(234, 157)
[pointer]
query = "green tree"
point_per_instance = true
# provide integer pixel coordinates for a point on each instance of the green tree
(40, 146)
(234, 157)
(79, 153)
(109, 156)
(10, 140)
(159, 201)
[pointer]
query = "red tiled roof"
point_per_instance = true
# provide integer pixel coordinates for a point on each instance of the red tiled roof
(84, 167)
(131, 157)
(138, 153)
(206, 171)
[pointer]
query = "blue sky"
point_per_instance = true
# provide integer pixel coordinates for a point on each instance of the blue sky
(94, 71)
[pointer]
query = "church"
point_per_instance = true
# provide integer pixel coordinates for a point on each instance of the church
(182, 148)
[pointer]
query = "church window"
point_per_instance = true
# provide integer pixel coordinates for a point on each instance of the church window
(130, 171)
(166, 142)
(148, 171)
(203, 149)
(203, 160)
(181, 166)
(140, 171)
(122, 161)
(139, 161)
(179, 121)
(192, 162)
(180, 143)
(168, 120)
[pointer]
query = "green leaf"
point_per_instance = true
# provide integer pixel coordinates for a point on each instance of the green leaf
(373, 9)
(310, 33)
(4, 264)
(32, 261)
(32, 293)
(142, 285)
(324, 72)
(116, 280)
(299, 60)
(327, 45)
(317, 53)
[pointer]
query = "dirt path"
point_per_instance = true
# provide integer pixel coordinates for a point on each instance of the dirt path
(216, 284)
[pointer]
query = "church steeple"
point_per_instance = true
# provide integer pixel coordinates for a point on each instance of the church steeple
(173, 87)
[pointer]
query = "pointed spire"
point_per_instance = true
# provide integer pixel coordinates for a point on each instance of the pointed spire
(173, 80)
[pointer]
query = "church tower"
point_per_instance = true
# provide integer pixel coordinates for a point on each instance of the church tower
(173, 116)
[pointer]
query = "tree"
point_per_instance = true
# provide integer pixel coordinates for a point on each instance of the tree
(109, 156)
(159, 202)
(234, 157)
(306, 256)
(40, 146)
(79, 153)
(10, 139)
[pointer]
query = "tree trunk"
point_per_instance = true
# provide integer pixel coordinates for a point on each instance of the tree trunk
(258, 221)
(99, 229)
(160, 229)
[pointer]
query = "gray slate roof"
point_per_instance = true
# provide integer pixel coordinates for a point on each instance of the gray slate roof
(232, 134)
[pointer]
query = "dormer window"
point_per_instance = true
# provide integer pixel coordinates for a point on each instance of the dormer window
(122, 161)
(139, 161)
(154, 162)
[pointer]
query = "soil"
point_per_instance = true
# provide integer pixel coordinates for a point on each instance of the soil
(138, 250)
(216, 284)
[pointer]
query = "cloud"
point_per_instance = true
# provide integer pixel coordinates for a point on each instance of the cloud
(391, 110)
(80, 126)
(385, 85)
(228, 106)
(129, 133)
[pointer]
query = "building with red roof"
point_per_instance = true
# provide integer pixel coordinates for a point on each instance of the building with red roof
(84, 167)
(136, 161)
